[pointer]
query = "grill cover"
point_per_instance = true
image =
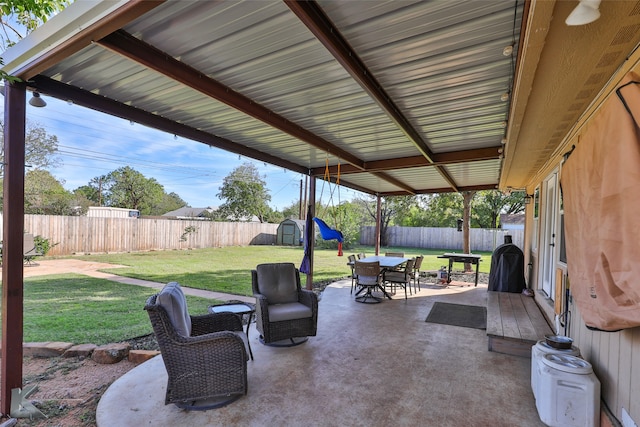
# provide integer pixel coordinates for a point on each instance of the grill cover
(507, 269)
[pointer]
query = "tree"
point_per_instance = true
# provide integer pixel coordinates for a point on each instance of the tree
(40, 147)
(28, 15)
(347, 217)
(45, 195)
(443, 210)
(89, 193)
(126, 188)
(488, 205)
(170, 202)
(391, 207)
(273, 216)
(351, 214)
(292, 211)
(245, 193)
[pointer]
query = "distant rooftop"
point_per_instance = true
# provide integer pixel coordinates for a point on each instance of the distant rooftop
(188, 212)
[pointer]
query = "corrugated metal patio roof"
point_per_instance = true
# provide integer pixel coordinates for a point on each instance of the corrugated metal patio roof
(406, 96)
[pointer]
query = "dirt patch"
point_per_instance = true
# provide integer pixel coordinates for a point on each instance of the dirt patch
(68, 389)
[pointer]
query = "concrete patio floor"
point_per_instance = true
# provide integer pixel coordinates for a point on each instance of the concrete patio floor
(369, 365)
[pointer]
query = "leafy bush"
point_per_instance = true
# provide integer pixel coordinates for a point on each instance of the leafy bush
(42, 244)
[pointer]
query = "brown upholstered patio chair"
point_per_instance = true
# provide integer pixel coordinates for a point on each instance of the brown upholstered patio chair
(286, 314)
(205, 356)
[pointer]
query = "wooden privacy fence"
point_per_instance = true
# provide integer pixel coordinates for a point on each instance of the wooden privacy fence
(81, 234)
(482, 239)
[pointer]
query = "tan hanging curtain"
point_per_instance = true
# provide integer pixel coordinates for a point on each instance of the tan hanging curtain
(601, 194)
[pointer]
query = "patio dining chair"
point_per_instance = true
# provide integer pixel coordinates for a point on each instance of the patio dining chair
(205, 356)
(368, 279)
(362, 255)
(395, 254)
(416, 272)
(286, 314)
(30, 251)
(400, 278)
(352, 264)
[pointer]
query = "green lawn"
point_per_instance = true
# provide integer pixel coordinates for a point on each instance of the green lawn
(80, 309)
(229, 269)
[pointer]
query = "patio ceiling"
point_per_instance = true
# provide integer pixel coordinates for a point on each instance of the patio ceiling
(404, 96)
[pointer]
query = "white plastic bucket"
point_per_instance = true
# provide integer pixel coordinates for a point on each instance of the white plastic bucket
(537, 352)
(568, 392)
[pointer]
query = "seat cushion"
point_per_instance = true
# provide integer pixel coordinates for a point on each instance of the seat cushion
(278, 282)
(172, 299)
(288, 311)
(367, 280)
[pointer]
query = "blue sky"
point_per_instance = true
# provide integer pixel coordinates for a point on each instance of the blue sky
(93, 144)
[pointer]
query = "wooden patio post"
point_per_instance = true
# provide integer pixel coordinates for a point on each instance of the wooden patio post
(378, 222)
(12, 249)
(312, 203)
(466, 225)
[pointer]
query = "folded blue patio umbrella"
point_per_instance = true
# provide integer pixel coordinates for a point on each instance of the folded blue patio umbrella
(309, 231)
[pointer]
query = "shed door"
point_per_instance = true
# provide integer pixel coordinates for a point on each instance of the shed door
(288, 234)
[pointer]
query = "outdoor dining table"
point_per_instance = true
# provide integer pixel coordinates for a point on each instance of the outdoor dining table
(466, 258)
(386, 263)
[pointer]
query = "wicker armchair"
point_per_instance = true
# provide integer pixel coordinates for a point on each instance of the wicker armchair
(205, 356)
(286, 314)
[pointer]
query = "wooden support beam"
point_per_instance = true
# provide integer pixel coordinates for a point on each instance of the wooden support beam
(440, 159)
(13, 242)
(100, 103)
(144, 54)
(312, 15)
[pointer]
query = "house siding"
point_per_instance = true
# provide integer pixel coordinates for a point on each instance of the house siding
(615, 356)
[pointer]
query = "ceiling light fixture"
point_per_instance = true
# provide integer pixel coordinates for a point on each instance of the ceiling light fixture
(504, 97)
(36, 100)
(507, 51)
(585, 12)
(504, 141)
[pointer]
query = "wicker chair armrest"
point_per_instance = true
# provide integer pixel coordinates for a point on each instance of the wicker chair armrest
(205, 349)
(207, 323)
(212, 337)
(261, 301)
(308, 298)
